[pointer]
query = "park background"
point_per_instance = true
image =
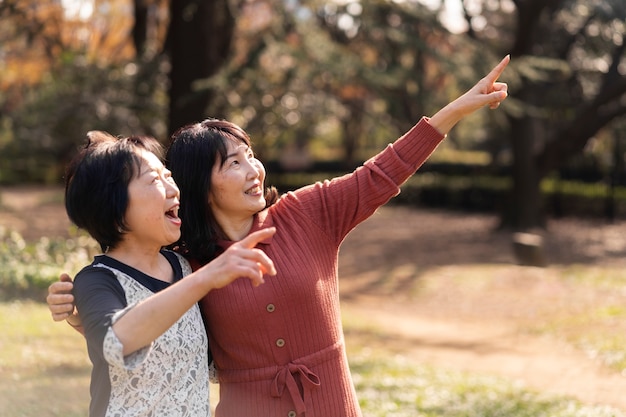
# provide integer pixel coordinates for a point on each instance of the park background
(447, 310)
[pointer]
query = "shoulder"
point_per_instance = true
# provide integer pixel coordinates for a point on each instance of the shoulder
(93, 271)
(176, 258)
(95, 277)
(95, 284)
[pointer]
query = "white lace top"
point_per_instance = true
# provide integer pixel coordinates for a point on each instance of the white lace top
(170, 377)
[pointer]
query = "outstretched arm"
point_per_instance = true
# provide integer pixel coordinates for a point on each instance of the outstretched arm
(137, 328)
(487, 92)
(153, 316)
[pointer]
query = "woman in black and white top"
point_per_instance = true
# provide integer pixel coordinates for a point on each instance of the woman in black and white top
(144, 331)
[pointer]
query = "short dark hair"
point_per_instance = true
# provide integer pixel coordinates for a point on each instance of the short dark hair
(96, 183)
(193, 151)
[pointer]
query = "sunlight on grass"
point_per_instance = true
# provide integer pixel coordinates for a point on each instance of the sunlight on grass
(392, 386)
(44, 368)
(45, 372)
(589, 315)
(582, 305)
(613, 279)
(600, 333)
(598, 329)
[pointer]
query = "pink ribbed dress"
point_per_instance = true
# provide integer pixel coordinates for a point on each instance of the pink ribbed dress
(279, 347)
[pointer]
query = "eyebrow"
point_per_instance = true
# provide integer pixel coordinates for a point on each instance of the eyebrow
(230, 155)
(149, 169)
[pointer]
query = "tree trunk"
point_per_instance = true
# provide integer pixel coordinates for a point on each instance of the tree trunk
(352, 131)
(525, 206)
(140, 27)
(198, 43)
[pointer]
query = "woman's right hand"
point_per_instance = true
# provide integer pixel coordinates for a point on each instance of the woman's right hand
(241, 259)
(61, 301)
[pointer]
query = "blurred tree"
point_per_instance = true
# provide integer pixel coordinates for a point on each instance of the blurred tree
(398, 65)
(198, 43)
(101, 64)
(568, 83)
(349, 72)
(67, 71)
(337, 71)
(272, 85)
(345, 73)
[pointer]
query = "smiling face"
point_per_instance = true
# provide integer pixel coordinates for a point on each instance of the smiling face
(237, 190)
(151, 217)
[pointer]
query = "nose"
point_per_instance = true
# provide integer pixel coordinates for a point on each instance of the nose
(172, 190)
(255, 168)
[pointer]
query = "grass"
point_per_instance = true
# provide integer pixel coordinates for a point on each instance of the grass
(600, 328)
(394, 387)
(44, 372)
(44, 369)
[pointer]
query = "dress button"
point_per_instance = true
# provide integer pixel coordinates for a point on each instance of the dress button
(280, 342)
(270, 308)
(291, 414)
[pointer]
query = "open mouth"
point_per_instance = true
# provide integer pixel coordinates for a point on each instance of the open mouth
(172, 213)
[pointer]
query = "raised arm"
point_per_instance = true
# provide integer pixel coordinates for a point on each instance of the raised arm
(486, 92)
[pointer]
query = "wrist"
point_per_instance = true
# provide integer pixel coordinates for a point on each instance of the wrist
(74, 321)
(446, 118)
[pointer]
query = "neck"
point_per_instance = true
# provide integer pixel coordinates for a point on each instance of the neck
(147, 260)
(236, 230)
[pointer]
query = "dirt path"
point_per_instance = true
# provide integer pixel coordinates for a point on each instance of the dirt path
(540, 364)
(421, 278)
(34, 211)
(435, 302)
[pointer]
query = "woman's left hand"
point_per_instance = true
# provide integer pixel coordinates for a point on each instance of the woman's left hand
(486, 92)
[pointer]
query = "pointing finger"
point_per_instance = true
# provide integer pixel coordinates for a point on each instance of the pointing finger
(498, 69)
(253, 239)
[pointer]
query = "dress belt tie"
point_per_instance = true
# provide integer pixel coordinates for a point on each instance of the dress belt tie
(285, 378)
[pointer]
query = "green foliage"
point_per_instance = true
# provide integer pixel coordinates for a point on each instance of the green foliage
(26, 269)
(43, 132)
(458, 187)
(339, 78)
